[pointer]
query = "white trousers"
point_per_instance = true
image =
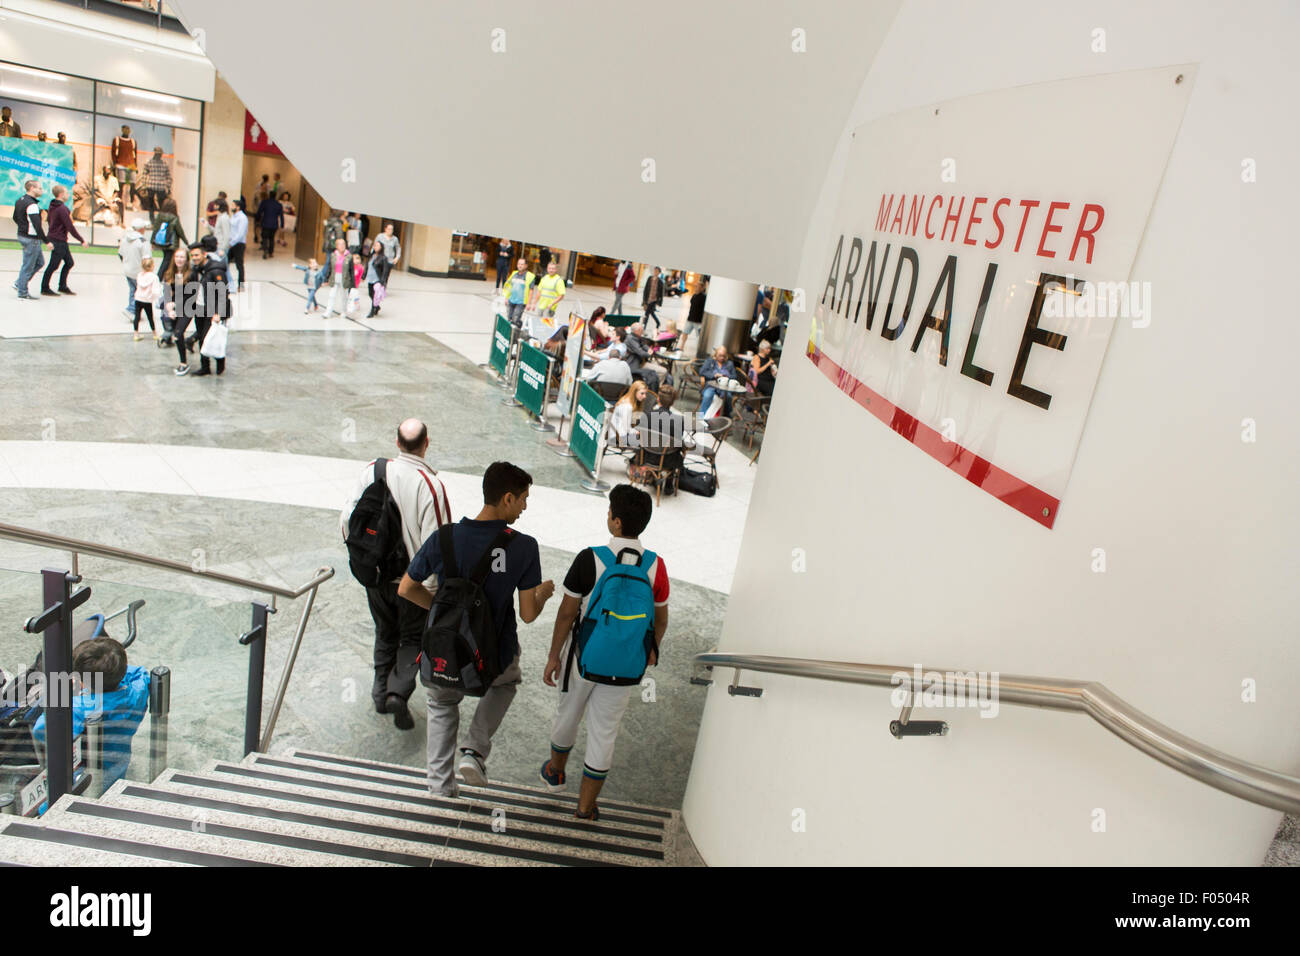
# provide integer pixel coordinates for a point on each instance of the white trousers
(603, 705)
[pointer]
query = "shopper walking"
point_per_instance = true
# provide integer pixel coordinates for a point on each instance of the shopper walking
(504, 250)
(513, 564)
(238, 245)
(376, 269)
(421, 500)
(337, 266)
(61, 226)
(549, 292)
(270, 217)
(167, 232)
(172, 280)
(624, 282)
(621, 628)
(519, 285)
(132, 249)
(27, 216)
(222, 228)
(652, 296)
(207, 299)
(147, 291)
(392, 247)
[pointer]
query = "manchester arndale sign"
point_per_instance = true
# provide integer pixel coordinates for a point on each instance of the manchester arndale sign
(980, 256)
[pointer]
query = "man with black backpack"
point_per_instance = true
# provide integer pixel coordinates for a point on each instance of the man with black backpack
(471, 641)
(398, 505)
(607, 632)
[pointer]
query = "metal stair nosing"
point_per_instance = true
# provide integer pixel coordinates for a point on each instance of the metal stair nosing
(175, 832)
(27, 844)
(566, 798)
(531, 809)
(355, 822)
(475, 820)
(518, 799)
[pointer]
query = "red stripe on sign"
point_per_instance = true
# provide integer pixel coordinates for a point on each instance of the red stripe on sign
(1006, 487)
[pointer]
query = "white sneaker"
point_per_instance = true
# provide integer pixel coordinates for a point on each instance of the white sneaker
(472, 770)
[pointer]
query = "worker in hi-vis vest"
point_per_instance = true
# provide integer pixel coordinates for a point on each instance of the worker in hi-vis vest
(517, 289)
(549, 292)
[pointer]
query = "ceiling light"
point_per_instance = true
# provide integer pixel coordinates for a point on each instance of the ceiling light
(156, 97)
(149, 114)
(34, 94)
(41, 73)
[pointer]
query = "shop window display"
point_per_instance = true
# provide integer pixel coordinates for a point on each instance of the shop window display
(120, 151)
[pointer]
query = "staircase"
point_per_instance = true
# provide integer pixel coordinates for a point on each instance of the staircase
(312, 809)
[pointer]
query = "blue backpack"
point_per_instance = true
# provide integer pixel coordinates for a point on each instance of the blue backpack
(160, 234)
(613, 641)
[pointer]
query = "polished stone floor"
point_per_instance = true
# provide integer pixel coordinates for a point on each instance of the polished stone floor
(194, 627)
(247, 473)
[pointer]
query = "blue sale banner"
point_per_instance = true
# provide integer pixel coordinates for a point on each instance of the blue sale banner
(24, 159)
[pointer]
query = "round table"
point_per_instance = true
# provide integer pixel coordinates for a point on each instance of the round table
(738, 388)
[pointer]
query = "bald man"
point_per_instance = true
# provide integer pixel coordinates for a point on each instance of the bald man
(422, 503)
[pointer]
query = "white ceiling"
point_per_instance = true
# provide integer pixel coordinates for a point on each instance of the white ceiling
(546, 141)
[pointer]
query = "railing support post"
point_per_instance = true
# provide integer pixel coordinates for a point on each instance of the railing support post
(55, 623)
(95, 753)
(255, 640)
(160, 705)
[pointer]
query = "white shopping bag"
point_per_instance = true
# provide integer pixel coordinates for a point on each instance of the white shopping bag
(354, 299)
(714, 407)
(214, 343)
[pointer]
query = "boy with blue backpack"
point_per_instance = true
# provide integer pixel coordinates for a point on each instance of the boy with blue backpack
(607, 632)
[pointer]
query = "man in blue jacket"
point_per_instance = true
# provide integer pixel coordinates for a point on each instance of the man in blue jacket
(270, 217)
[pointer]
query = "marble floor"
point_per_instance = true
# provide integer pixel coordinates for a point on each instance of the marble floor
(99, 440)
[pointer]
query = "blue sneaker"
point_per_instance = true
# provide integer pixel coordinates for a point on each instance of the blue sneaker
(554, 780)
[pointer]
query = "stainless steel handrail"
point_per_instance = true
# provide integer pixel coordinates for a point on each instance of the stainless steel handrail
(74, 546)
(77, 547)
(1222, 771)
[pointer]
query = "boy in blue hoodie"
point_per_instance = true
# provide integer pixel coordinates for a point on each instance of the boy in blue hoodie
(123, 702)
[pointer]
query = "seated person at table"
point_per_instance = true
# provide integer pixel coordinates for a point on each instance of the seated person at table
(668, 428)
(117, 693)
(612, 369)
(639, 358)
(717, 368)
(668, 336)
(762, 369)
(624, 417)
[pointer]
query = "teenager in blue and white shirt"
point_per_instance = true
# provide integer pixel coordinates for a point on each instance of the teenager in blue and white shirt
(602, 704)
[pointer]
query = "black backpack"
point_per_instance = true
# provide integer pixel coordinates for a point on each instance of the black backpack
(376, 552)
(459, 646)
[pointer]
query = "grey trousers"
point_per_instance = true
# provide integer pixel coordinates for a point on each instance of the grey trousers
(618, 304)
(444, 724)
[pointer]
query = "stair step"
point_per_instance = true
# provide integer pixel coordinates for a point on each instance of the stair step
(36, 844)
(356, 824)
(538, 801)
(468, 816)
(215, 838)
(562, 832)
(418, 773)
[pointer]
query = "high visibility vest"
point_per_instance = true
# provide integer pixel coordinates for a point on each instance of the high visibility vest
(550, 289)
(529, 279)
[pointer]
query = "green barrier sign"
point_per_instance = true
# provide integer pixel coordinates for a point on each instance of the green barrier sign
(530, 388)
(500, 345)
(588, 422)
(623, 320)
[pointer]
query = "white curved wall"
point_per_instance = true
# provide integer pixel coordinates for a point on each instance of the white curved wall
(908, 563)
